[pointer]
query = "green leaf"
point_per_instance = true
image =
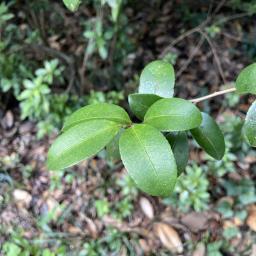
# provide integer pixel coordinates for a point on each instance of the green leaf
(157, 78)
(139, 103)
(249, 128)
(179, 144)
(72, 5)
(80, 142)
(11, 249)
(173, 114)
(98, 111)
(149, 160)
(209, 136)
(246, 80)
(112, 149)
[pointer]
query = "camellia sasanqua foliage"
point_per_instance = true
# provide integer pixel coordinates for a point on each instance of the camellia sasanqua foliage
(155, 151)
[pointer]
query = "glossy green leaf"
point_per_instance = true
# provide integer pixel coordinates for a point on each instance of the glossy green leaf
(246, 80)
(112, 149)
(149, 160)
(249, 128)
(72, 5)
(157, 78)
(139, 103)
(80, 142)
(209, 136)
(180, 149)
(173, 114)
(98, 111)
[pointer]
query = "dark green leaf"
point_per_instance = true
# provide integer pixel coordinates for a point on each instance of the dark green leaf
(112, 149)
(96, 112)
(249, 128)
(179, 144)
(139, 103)
(157, 78)
(80, 142)
(173, 114)
(246, 80)
(149, 160)
(209, 136)
(72, 5)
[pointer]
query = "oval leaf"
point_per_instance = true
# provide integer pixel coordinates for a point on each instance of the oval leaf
(149, 160)
(80, 142)
(246, 80)
(209, 136)
(180, 148)
(157, 78)
(139, 103)
(173, 114)
(72, 5)
(98, 111)
(249, 128)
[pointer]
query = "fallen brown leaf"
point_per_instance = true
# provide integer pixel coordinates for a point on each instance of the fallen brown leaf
(251, 220)
(195, 221)
(74, 230)
(93, 230)
(147, 207)
(168, 237)
(144, 246)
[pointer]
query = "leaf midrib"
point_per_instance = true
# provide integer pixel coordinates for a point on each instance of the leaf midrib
(210, 142)
(114, 119)
(164, 116)
(144, 149)
(84, 141)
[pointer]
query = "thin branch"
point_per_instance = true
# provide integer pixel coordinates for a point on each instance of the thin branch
(219, 6)
(192, 55)
(215, 55)
(233, 37)
(189, 32)
(232, 17)
(178, 39)
(212, 95)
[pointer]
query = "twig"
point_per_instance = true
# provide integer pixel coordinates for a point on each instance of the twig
(50, 51)
(232, 17)
(210, 16)
(178, 39)
(235, 38)
(212, 95)
(219, 6)
(192, 55)
(189, 32)
(215, 55)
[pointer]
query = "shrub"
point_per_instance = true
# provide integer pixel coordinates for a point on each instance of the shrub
(152, 161)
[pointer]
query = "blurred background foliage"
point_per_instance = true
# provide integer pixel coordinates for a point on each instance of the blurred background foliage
(53, 61)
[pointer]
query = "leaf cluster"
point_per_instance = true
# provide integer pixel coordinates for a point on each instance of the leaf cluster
(154, 152)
